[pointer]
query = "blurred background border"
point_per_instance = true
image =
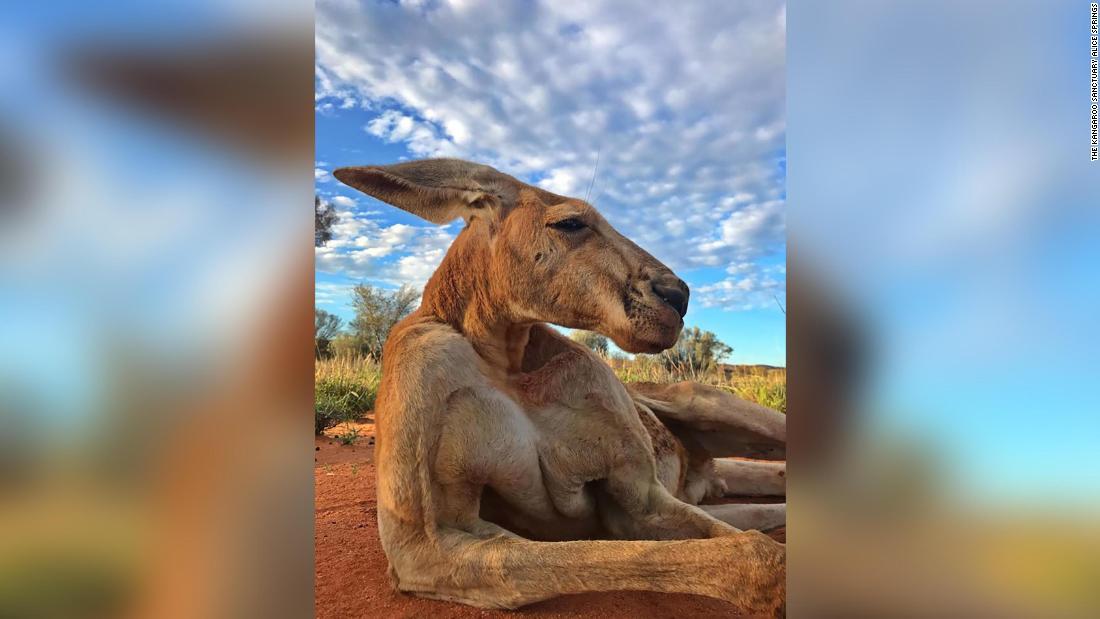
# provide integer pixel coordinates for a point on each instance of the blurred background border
(942, 217)
(156, 278)
(155, 294)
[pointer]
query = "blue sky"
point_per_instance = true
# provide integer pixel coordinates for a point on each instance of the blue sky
(684, 104)
(153, 243)
(944, 191)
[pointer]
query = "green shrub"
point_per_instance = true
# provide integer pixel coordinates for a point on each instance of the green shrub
(348, 437)
(594, 341)
(344, 389)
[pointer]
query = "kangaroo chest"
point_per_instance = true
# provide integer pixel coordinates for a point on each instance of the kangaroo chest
(565, 440)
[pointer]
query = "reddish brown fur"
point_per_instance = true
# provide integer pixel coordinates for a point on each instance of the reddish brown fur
(478, 396)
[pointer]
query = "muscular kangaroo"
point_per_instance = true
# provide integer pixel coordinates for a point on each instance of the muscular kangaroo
(513, 466)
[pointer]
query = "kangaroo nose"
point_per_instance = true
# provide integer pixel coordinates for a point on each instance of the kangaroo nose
(674, 291)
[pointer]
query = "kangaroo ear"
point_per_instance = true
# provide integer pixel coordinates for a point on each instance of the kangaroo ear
(438, 190)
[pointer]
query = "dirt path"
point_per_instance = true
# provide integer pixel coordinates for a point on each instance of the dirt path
(350, 567)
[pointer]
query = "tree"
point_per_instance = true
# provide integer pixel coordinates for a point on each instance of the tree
(326, 327)
(594, 341)
(696, 350)
(324, 216)
(376, 312)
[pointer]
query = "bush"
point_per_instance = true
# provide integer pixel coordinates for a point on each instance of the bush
(376, 312)
(345, 345)
(326, 326)
(324, 216)
(344, 389)
(594, 341)
(696, 350)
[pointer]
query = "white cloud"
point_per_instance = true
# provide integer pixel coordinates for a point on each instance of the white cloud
(748, 230)
(417, 268)
(561, 180)
(683, 101)
(363, 248)
(748, 288)
(328, 293)
(321, 175)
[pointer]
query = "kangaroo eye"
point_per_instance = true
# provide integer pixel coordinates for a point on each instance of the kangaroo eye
(568, 225)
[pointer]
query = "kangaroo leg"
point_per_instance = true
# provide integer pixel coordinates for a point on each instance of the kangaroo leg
(752, 477)
(713, 422)
(750, 516)
(461, 558)
(458, 557)
(502, 571)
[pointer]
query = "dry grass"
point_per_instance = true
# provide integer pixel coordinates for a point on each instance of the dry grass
(764, 385)
(347, 384)
(344, 389)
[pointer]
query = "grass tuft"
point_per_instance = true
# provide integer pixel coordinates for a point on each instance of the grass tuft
(763, 385)
(345, 387)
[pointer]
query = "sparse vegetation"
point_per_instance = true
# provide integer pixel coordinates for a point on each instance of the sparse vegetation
(770, 392)
(345, 345)
(376, 312)
(697, 356)
(326, 327)
(349, 436)
(324, 217)
(347, 383)
(347, 371)
(594, 341)
(764, 385)
(344, 389)
(696, 350)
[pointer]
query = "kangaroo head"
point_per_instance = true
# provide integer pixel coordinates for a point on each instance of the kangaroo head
(542, 257)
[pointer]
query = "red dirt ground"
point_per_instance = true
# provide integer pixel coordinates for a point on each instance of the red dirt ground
(350, 567)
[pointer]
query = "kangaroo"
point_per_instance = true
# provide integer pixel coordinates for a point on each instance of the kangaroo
(513, 465)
